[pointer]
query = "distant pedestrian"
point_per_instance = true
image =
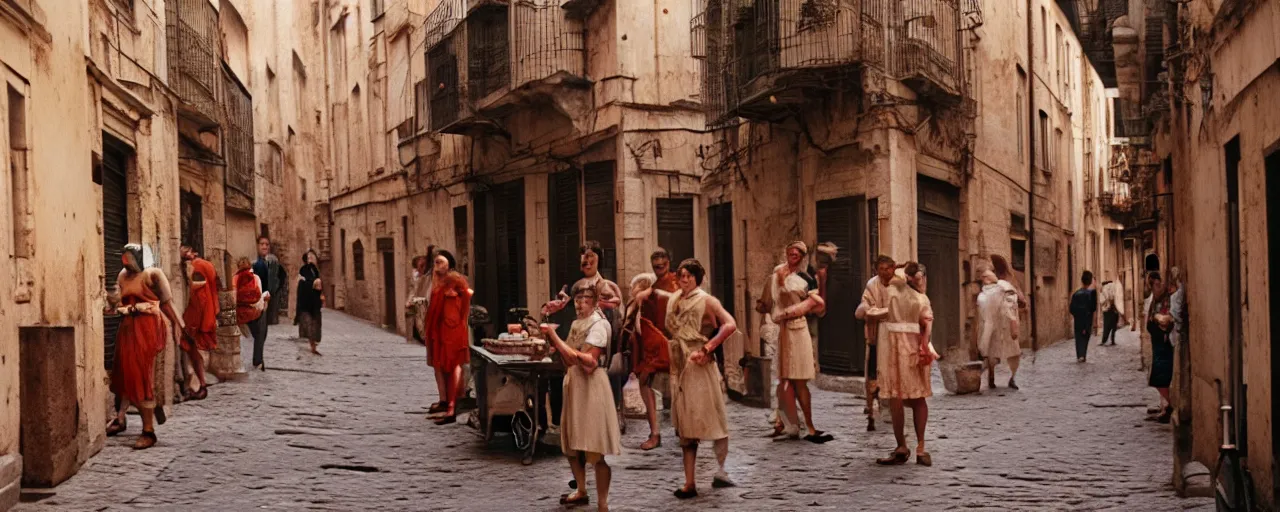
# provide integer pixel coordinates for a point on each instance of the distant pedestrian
(1160, 324)
(1111, 303)
(447, 334)
(588, 426)
(267, 268)
(998, 327)
(875, 295)
(200, 317)
(248, 290)
(308, 306)
(1084, 308)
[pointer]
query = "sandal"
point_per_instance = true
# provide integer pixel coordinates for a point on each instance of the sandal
(199, 395)
(146, 440)
(684, 494)
(897, 458)
(818, 437)
(654, 441)
(1013, 385)
(453, 418)
(437, 407)
(582, 499)
(924, 459)
(116, 427)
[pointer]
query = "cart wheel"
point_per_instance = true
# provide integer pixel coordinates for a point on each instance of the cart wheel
(522, 430)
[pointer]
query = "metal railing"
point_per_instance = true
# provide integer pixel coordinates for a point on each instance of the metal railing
(927, 45)
(191, 31)
(546, 42)
(238, 143)
(445, 42)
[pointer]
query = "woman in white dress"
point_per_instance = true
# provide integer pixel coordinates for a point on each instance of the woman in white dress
(998, 331)
(588, 425)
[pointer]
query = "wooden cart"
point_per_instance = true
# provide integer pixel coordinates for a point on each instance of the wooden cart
(513, 386)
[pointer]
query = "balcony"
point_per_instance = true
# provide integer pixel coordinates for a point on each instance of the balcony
(238, 143)
(760, 60)
(926, 49)
(487, 59)
(195, 72)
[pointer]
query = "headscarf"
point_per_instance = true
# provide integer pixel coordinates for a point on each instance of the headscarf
(804, 249)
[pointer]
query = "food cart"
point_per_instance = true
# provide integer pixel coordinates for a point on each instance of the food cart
(512, 385)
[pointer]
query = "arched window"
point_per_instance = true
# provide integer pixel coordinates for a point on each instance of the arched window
(357, 259)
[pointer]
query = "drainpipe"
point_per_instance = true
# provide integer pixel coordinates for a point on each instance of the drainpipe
(1031, 174)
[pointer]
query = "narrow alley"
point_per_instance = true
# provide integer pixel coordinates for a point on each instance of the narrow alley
(346, 432)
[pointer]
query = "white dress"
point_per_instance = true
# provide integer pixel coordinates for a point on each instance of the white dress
(997, 309)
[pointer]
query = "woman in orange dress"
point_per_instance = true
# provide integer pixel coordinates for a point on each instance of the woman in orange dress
(448, 340)
(142, 296)
(248, 290)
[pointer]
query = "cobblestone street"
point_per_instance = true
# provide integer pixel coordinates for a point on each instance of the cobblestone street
(347, 431)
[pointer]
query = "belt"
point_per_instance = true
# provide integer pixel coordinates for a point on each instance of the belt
(904, 327)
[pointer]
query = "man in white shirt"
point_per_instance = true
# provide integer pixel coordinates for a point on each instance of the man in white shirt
(1111, 303)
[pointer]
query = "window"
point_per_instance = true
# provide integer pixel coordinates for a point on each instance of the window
(1058, 151)
(460, 238)
(302, 188)
(1022, 116)
(377, 7)
(357, 259)
(1058, 52)
(1044, 36)
(263, 230)
(342, 248)
(299, 88)
(1042, 142)
(275, 164)
(404, 231)
(22, 227)
(1018, 241)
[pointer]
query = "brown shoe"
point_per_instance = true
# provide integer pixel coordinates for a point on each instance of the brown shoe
(146, 440)
(896, 458)
(924, 459)
(116, 427)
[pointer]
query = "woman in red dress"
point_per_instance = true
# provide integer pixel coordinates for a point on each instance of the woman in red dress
(447, 336)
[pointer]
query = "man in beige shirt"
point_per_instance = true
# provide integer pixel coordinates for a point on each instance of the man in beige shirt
(1111, 303)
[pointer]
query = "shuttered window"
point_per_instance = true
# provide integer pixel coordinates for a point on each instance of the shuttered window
(675, 227)
(598, 212)
(115, 227)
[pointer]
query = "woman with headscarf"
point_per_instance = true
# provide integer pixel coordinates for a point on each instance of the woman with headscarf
(998, 327)
(906, 359)
(447, 336)
(142, 296)
(794, 294)
(308, 306)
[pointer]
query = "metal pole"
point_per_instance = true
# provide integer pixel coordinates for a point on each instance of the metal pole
(1031, 175)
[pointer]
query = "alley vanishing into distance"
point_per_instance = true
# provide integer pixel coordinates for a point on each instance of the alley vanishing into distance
(346, 431)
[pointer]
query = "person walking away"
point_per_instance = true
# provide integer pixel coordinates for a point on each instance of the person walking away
(588, 427)
(447, 336)
(874, 295)
(1160, 324)
(200, 318)
(999, 328)
(906, 359)
(1111, 303)
(1084, 306)
(143, 297)
(267, 268)
(793, 298)
(308, 305)
(648, 310)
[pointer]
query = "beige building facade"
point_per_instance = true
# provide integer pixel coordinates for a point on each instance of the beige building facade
(905, 129)
(132, 121)
(508, 135)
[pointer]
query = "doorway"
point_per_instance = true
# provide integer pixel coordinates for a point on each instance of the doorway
(115, 228)
(938, 230)
(720, 222)
(843, 222)
(386, 246)
(563, 224)
(192, 220)
(500, 251)
(1235, 293)
(49, 409)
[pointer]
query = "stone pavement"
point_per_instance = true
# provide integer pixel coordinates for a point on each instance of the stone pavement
(346, 431)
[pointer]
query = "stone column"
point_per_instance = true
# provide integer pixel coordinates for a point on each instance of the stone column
(225, 361)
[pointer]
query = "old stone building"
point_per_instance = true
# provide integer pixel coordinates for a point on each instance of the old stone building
(937, 131)
(133, 121)
(508, 134)
(1202, 77)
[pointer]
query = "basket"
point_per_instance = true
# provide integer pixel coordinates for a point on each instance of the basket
(968, 378)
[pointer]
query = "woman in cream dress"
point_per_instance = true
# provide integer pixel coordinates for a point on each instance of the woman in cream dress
(906, 359)
(792, 298)
(588, 425)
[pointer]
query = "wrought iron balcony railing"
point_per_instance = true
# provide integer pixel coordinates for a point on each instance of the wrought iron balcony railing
(926, 49)
(238, 143)
(195, 72)
(480, 51)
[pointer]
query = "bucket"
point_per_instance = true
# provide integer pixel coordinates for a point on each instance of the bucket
(968, 378)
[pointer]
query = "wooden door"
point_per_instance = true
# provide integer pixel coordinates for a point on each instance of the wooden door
(720, 224)
(938, 230)
(841, 339)
(598, 214)
(389, 303)
(500, 250)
